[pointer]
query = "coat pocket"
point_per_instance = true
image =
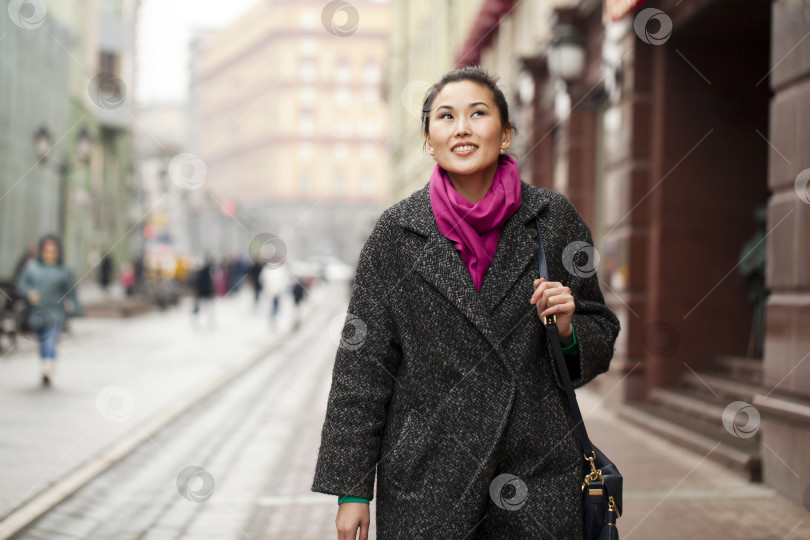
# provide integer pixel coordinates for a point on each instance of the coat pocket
(409, 443)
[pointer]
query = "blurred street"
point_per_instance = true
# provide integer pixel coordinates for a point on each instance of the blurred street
(254, 440)
(101, 404)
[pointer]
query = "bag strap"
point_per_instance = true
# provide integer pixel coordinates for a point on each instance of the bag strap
(550, 323)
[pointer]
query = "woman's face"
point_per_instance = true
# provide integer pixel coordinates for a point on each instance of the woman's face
(50, 252)
(465, 129)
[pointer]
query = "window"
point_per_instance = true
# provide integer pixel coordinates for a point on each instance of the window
(343, 73)
(306, 153)
(308, 19)
(340, 152)
(343, 98)
(308, 48)
(371, 73)
(306, 125)
(308, 71)
(306, 98)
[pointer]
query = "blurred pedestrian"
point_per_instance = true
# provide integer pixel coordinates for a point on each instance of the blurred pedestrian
(298, 292)
(127, 278)
(204, 293)
(138, 268)
(46, 284)
(105, 272)
(221, 280)
(275, 282)
(255, 273)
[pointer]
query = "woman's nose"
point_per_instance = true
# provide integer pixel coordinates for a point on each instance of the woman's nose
(462, 128)
(462, 125)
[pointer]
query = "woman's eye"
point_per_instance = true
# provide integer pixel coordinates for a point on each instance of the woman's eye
(482, 112)
(445, 114)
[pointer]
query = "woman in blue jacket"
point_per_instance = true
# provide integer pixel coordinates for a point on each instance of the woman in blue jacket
(46, 284)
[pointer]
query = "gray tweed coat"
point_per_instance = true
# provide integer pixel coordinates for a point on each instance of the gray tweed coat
(440, 389)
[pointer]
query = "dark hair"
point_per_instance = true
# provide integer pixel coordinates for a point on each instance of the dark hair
(475, 74)
(58, 242)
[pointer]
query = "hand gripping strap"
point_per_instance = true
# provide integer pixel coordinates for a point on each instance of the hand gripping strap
(551, 330)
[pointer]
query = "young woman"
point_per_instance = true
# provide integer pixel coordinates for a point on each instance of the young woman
(445, 383)
(46, 283)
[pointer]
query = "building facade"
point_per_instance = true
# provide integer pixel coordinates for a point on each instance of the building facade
(678, 129)
(426, 39)
(65, 155)
(289, 120)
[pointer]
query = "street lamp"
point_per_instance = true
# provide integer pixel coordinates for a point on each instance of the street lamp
(84, 146)
(566, 63)
(566, 54)
(42, 143)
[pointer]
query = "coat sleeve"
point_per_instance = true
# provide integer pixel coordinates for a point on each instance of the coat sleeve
(597, 327)
(362, 383)
(25, 282)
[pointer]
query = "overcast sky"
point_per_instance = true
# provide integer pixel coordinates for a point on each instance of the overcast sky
(164, 30)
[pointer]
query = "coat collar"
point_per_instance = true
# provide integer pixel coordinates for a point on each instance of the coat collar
(440, 263)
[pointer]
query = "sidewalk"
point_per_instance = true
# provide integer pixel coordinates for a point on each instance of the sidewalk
(118, 381)
(674, 493)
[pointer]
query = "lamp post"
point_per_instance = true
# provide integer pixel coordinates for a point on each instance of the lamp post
(84, 146)
(43, 144)
(566, 54)
(566, 64)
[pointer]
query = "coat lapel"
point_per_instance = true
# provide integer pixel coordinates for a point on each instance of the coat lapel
(440, 263)
(516, 249)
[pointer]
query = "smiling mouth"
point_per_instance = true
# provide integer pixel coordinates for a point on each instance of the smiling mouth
(465, 148)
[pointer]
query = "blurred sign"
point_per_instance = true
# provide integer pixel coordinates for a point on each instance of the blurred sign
(159, 219)
(616, 9)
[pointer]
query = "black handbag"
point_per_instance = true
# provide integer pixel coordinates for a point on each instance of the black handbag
(602, 481)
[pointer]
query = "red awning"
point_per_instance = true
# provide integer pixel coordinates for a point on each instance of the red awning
(484, 29)
(616, 9)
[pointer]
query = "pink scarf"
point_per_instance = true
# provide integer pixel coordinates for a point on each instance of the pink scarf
(475, 227)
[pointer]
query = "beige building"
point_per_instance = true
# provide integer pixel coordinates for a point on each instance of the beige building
(426, 38)
(289, 119)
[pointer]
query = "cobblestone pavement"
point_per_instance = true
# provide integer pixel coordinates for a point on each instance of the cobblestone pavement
(113, 378)
(234, 439)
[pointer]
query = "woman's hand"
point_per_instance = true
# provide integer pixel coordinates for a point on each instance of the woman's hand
(33, 297)
(554, 297)
(350, 516)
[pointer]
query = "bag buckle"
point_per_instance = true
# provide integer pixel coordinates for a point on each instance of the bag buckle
(595, 474)
(550, 319)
